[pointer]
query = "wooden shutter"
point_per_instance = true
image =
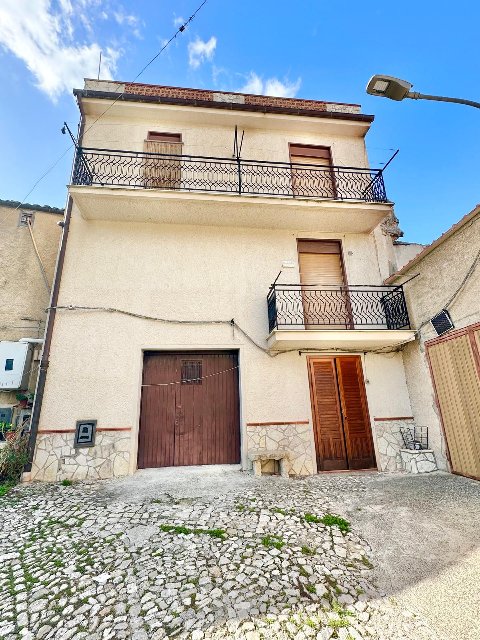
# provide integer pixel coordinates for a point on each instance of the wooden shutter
(325, 305)
(356, 423)
(329, 437)
(312, 182)
(163, 173)
(320, 269)
(457, 385)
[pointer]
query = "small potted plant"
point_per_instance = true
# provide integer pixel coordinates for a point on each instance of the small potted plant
(22, 400)
(7, 430)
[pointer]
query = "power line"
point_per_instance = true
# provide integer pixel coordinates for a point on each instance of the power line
(180, 29)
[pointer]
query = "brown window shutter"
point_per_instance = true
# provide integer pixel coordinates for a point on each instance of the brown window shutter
(164, 137)
(320, 269)
(320, 262)
(309, 176)
(310, 153)
(319, 246)
(162, 173)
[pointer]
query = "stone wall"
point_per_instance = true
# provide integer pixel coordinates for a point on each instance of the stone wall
(419, 461)
(296, 438)
(389, 443)
(57, 459)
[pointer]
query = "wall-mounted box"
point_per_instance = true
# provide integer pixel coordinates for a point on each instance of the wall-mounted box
(15, 363)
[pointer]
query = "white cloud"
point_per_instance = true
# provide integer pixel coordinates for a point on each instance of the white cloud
(129, 20)
(42, 36)
(178, 21)
(199, 51)
(271, 86)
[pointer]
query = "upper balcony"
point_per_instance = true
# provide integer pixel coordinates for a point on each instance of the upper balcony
(348, 317)
(226, 191)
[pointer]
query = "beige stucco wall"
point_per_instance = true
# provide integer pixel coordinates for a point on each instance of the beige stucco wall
(440, 274)
(261, 141)
(406, 251)
(187, 273)
(23, 293)
(182, 272)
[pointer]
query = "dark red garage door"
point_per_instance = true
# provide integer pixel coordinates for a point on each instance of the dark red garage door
(190, 409)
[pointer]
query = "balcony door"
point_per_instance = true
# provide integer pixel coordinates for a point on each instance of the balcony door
(343, 437)
(315, 177)
(162, 172)
(325, 297)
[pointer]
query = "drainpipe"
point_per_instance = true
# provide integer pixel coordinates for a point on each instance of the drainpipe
(44, 360)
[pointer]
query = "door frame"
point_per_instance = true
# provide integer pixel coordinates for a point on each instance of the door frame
(364, 400)
(187, 349)
(469, 330)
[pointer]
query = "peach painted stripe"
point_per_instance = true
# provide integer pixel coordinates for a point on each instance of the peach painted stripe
(267, 424)
(395, 418)
(73, 430)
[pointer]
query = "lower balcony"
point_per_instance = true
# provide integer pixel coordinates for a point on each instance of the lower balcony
(363, 318)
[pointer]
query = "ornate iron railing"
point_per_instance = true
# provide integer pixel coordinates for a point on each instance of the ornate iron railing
(226, 175)
(341, 307)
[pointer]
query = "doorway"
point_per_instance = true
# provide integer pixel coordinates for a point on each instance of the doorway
(189, 409)
(343, 437)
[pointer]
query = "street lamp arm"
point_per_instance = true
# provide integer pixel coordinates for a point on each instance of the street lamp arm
(414, 95)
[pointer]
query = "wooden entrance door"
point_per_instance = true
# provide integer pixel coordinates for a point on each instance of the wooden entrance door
(189, 409)
(343, 437)
(455, 367)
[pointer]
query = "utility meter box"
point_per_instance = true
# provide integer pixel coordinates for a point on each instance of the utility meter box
(15, 363)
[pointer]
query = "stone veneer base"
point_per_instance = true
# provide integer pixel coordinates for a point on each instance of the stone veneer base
(295, 439)
(389, 443)
(57, 459)
(421, 461)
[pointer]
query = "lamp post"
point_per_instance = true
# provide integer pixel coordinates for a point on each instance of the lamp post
(396, 89)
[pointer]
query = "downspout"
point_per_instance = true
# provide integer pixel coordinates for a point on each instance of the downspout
(44, 360)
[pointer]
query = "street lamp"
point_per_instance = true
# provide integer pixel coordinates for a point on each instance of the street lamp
(396, 89)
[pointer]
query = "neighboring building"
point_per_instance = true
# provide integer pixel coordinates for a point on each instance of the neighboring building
(25, 280)
(443, 372)
(170, 342)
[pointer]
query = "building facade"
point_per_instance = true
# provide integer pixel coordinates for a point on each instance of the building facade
(222, 295)
(30, 238)
(443, 371)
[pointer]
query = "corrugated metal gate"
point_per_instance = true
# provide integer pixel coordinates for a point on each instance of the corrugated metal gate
(190, 409)
(455, 366)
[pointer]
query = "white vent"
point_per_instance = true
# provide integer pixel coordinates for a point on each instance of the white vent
(442, 322)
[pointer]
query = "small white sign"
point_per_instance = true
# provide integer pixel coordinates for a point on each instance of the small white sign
(288, 264)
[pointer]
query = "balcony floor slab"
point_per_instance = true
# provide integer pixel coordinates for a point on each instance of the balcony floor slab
(232, 210)
(348, 339)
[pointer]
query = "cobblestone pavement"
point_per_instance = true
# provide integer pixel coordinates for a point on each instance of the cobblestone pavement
(259, 560)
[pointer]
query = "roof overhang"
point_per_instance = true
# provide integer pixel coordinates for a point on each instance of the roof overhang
(96, 103)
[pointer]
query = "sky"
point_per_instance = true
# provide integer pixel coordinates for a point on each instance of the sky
(315, 49)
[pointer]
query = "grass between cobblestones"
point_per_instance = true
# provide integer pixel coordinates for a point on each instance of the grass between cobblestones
(78, 566)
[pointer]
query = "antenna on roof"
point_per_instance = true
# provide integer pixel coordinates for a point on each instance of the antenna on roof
(237, 149)
(99, 65)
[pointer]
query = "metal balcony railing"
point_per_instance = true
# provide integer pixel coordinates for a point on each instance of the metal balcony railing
(336, 307)
(108, 167)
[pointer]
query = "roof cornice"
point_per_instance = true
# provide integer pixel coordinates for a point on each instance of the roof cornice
(231, 106)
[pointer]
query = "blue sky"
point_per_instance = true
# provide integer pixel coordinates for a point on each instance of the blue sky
(310, 48)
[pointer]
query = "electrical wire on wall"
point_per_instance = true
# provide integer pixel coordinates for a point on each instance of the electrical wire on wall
(230, 323)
